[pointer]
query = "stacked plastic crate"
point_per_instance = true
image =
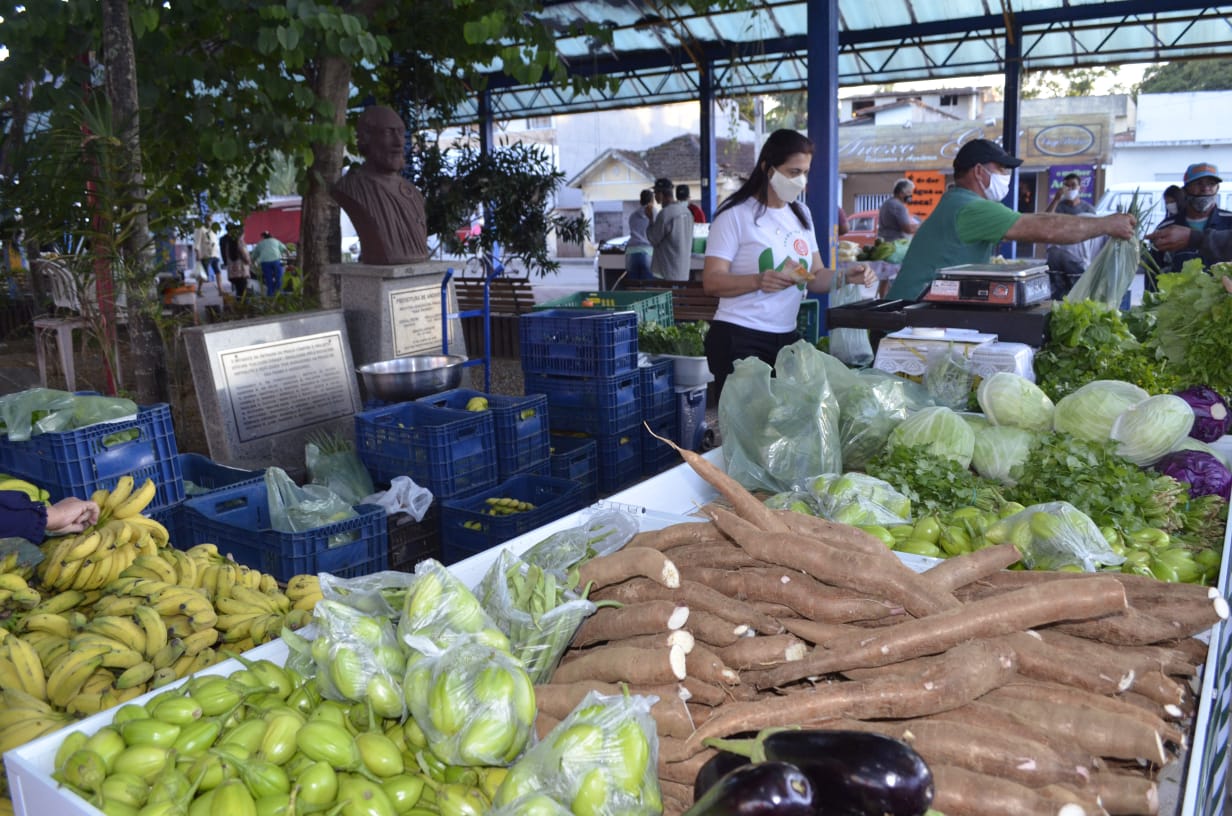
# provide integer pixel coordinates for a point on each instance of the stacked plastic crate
(520, 425)
(585, 363)
(659, 416)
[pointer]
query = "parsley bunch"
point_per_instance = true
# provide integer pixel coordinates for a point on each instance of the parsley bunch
(935, 484)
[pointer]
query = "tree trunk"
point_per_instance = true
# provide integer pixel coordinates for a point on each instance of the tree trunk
(149, 374)
(320, 241)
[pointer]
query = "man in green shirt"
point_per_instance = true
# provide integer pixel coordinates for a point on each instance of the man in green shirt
(268, 254)
(970, 221)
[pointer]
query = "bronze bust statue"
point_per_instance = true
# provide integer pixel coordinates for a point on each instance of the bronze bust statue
(386, 209)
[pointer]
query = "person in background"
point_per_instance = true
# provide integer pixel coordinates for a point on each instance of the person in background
(671, 234)
(893, 219)
(762, 256)
(638, 250)
(970, 221)
(205, 247)
(268, 254)
(22, 517)
(843, 225)
(682, 195)
(1068, 198)
(1199, 215)
(1174, 201)
(236, 259)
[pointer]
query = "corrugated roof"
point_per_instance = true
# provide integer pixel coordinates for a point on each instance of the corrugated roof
(657, 48)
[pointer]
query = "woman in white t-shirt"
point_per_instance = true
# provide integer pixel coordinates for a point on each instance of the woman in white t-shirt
(762, 256)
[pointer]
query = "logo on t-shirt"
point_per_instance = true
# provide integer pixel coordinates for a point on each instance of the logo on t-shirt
(800, 246)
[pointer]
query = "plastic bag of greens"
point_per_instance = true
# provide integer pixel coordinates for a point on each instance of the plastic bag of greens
(475, 704)
(1000, 452)
(378, 593)
(860, 499)
(535, 609)
(937, 430)
(797, 501)
(852, 346)
(780, 431)
(949, 378)
(295, 509)
(871, 405)
(91, 409)
(19, 412)
(1109, 275)
(1054, 535)
(333, 462)
(439, 607)
(601, 759)
(604, 531)
(358, 658)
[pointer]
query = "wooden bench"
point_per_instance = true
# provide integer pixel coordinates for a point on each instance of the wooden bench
(689, 302)
(508, 299)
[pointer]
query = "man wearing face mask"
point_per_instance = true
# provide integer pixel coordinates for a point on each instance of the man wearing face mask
(1196, 231)
(970, 221)
(893, 219)
(1068, 198)
(671, 234)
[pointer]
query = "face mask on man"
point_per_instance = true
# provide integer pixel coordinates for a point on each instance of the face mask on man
(1171, 207)
(787, 189)
(1201, 203)
(1071, 194)
(998, 185)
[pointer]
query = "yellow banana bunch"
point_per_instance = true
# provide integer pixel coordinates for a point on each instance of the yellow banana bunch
(22, 668)
(24, 717)
(11, 565)
(35, 492)
(304, 591)
(16, 594)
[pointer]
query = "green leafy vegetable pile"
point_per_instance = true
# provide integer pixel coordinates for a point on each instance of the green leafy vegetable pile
(933, 483)
(1090, 341)
(1194, 325)
(685, 339)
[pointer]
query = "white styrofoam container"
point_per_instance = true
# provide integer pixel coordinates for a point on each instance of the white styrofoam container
(688, 372)
(992, 358)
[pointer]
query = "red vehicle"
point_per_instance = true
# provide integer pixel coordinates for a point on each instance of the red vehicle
(862, 228)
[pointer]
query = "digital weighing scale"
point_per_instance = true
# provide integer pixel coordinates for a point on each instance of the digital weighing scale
(1014, 284)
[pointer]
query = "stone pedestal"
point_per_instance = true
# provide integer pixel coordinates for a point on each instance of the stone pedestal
(395, 311)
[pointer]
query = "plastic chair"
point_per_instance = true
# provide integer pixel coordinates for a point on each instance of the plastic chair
(59, 328)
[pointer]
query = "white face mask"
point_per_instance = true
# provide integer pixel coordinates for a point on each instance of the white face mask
(1071, 194)
(1170, 207)
(998, 185)
(787, 189)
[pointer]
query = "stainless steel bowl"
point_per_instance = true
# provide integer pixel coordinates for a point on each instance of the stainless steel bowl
(408, 378)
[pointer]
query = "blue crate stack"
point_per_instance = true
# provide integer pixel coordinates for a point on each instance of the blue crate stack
(585, 363)
(659, 416)
(520, 424)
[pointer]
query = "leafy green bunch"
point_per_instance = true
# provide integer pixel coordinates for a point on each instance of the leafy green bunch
(1193, 329)
(933, 483)
(1091, 341)
(685, 339)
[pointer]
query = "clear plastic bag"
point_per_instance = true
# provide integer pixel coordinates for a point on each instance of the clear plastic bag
(871, 404)
(19, 412)
(474, 704)
(1109, 275)
(379, 593)
(949, 378)
(534, 609)
(295, 509)
(605, 531)
(439, 607)
(779, 432)
(602, 759)
(797, 501)
(860, 499)
(1054, 535)
(358, 658)
(532, 804)
(852, 346)
(333, 462)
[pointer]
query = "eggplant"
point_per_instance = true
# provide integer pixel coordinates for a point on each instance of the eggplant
(759, 789)
(856, 773)
(715, 769)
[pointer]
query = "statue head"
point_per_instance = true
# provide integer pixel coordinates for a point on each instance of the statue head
(381, 139)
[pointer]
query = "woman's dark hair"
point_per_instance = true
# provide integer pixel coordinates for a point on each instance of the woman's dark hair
(781, 145)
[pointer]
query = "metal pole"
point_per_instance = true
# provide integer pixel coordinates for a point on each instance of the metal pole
(822, 193)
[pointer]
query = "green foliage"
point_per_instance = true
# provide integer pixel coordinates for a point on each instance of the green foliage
(1188, 75)
(1072, 82)
(933, 483)
(685, 339)
(1194, 325)
(1090, 341)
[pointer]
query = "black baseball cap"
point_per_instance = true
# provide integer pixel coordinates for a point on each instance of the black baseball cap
(664, 185)
(982, 151)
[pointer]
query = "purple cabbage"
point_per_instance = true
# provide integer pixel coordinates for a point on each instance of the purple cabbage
(1204, 473)
(1211, 417)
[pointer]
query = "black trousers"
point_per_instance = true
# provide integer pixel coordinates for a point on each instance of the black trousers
(726, 343)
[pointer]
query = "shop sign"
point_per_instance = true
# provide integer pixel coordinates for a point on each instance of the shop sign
(1086, 180)
(929, 187)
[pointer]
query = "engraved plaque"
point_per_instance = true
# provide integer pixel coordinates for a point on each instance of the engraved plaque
(415, 320)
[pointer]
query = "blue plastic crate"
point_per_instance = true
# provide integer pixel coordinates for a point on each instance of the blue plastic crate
(175, 518)
(578, 343)
(448, 452)
(521, 426)
(658, 388)
(620, 460)
(576, 458)
(691, 417)
(204, 474)
(658, 456)
(78, 462)
(237, 519)
(468, 528)
(593, 405)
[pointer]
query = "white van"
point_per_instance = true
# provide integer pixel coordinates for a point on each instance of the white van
(1118, 197)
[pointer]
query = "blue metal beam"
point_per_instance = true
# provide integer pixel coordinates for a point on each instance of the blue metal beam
(822, 193)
